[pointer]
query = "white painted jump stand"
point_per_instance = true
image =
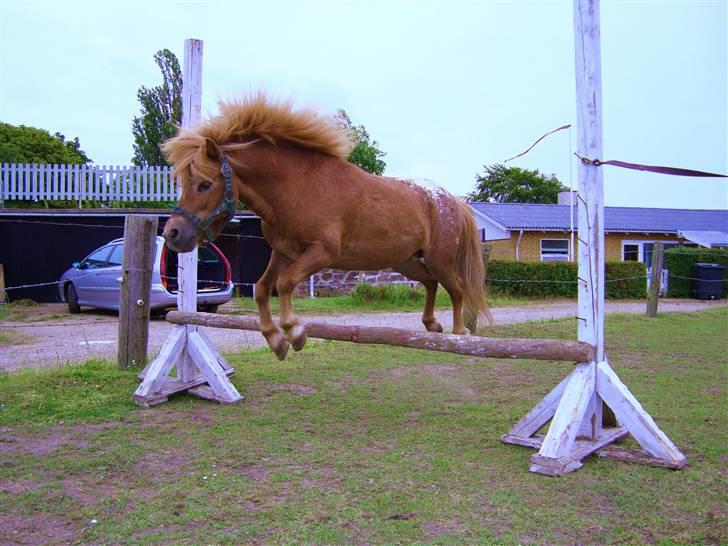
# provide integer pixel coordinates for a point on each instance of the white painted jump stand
(199, 367)
(576, 407)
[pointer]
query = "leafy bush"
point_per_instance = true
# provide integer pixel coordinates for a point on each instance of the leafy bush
(390, 293)
(679, 261)
(624, 280)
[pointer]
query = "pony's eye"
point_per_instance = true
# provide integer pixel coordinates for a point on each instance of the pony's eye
(204, 186)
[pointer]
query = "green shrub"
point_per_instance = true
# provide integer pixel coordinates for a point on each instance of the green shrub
(679, 262)
(390, 293)
(559, 279)
(625, 280)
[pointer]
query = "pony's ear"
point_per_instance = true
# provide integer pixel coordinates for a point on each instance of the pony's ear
(212, 150)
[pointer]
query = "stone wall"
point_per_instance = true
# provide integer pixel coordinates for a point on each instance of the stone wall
(328, 282)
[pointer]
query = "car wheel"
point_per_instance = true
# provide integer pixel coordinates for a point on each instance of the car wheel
(72, 299)
(212, 308)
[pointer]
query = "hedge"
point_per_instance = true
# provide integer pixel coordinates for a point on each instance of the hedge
(624, 280)
(679, 262)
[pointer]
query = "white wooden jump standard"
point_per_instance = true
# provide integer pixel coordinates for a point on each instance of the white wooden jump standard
(200, 369)
(578, 407)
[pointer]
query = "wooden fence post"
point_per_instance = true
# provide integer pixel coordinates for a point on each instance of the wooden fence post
(140, 233)
(653, 297)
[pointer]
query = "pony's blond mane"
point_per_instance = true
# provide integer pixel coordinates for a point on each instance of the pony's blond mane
(261, 117)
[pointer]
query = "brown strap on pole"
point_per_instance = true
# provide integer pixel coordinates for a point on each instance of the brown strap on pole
(674, 171)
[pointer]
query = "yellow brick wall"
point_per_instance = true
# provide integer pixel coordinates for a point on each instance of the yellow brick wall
(530, 246)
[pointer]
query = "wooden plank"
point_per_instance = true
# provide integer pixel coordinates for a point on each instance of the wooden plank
(653, 296)
(224, 364)
(192, 84)
(538, 349)
(541, 413)
(209, 368)
(638, 456)
(572, 460)
(590, 194)
(206, 393)
(156, 372)
(570, 412)
(591, 425)
(140, 234)
(634, 418)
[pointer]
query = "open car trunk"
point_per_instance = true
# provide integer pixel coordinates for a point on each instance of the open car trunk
(213, 271)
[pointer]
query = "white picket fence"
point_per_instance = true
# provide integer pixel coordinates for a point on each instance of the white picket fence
(35, 182)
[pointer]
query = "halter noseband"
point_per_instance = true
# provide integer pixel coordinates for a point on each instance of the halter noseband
(227, 206)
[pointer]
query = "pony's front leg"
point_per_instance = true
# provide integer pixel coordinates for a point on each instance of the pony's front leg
(263, 290)
(313, 259)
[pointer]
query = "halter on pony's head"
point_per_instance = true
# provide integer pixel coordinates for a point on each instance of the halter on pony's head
(227, 206)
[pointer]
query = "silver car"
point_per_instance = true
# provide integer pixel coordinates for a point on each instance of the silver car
(96, 280)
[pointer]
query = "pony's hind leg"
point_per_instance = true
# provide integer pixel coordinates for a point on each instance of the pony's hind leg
(414, 269)
(263, 290)
(313, 259)
(453, 283)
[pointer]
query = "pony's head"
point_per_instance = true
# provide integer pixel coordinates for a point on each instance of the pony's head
(207, 201)
(199, 158)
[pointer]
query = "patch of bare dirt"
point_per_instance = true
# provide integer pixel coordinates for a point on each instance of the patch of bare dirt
(436, 529)
(39, 528)
(57, 437)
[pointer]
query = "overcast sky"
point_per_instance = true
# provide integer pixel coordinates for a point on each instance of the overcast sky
(444, 87)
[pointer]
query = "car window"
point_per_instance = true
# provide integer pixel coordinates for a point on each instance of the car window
(117, 255)
(98, 257)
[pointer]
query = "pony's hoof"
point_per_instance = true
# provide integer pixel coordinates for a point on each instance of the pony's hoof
(279, 345)
(434, 326)
(298, 337)
(463, 332)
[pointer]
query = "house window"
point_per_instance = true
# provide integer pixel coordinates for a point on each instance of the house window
(554, 250)
(641, 251)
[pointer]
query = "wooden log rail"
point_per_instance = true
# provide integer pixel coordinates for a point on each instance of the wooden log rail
(537, 349)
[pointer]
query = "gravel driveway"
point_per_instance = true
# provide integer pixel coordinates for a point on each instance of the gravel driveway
(57, 338)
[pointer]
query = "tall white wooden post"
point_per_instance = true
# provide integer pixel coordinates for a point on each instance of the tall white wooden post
(187, 261)
(200, 369)
(576, 407)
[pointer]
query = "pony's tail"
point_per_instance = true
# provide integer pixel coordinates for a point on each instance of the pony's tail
(472, 271)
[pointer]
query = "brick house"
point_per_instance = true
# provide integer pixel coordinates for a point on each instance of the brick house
(536, 232)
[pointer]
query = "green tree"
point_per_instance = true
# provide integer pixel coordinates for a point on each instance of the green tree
(22, 144)
(161, 111)
(501, 184)
(365, 153)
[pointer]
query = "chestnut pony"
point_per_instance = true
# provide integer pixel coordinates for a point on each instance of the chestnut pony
(317, 210)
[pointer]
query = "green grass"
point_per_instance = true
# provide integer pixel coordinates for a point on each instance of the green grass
(351, 304)
(347, 444)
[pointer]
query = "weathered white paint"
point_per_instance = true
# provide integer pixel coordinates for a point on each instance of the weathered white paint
(194, 353)
(591, 193)
(633, 416)
(570, 413)
(580, 408)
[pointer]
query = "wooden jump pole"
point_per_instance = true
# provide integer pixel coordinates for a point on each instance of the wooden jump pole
(536, 349)
(585, 407)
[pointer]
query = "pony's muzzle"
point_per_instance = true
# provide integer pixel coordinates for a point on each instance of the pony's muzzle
(179, 236)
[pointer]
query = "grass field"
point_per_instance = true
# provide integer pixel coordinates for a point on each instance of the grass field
(353, 444)
(349, 304)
